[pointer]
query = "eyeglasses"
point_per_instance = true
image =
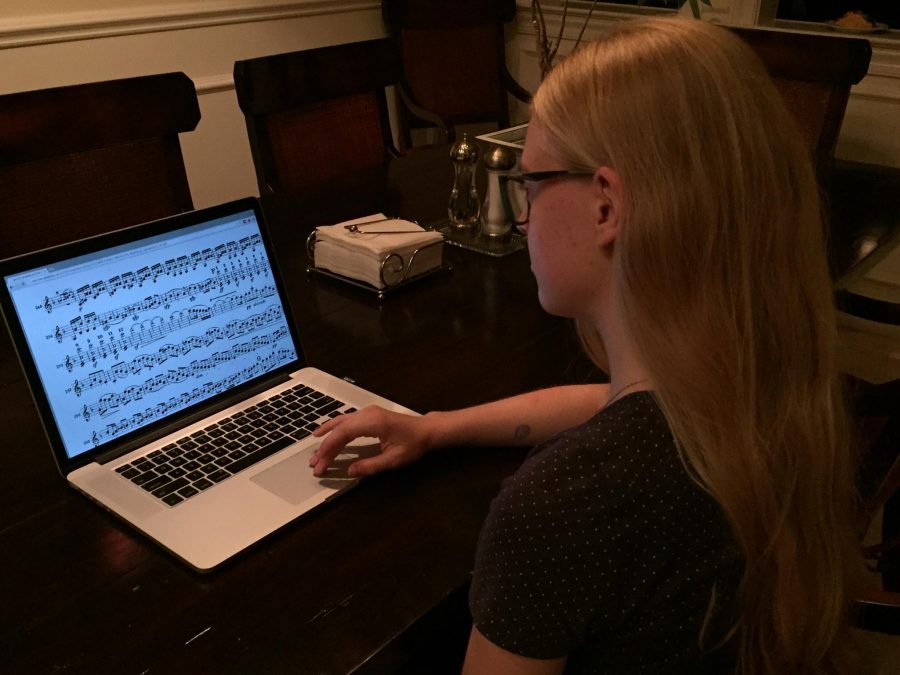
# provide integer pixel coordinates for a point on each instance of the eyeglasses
(531, 177)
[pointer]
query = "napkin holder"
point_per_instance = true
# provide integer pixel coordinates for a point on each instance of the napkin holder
(375, 254)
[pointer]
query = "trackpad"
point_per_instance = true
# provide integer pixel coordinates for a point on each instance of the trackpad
(292, 478)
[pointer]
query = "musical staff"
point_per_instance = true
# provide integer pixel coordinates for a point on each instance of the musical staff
(185, 398)
(157, 329)
(91, 322)
(173, 267)
(111, 402)
(122, 370)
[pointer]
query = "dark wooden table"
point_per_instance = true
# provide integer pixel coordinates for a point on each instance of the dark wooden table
(370, 583)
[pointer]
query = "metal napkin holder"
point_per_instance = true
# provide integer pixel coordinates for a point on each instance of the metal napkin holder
(394, 272)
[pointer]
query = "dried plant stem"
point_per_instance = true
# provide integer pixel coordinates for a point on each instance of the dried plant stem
(547, 48)
(584, 25)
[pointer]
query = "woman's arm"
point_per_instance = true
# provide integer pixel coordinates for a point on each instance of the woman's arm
(526, 419)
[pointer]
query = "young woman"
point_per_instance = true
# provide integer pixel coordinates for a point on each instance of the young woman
(695, 515)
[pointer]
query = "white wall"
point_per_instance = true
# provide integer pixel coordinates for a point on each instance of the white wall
(92, 40)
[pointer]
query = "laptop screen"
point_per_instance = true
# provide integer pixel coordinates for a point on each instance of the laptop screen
(127, 336)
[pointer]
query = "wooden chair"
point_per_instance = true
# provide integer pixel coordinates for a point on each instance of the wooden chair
(814, 74)
(79, 160)
(316, 117)
(454, 64)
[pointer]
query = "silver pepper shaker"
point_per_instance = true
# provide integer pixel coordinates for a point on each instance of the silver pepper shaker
(465, 206)
(495, 218)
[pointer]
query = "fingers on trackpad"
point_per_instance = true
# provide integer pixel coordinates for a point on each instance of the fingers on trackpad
(292, 479)
(359, 449)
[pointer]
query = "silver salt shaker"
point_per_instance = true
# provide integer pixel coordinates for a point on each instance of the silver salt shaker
(494, 217)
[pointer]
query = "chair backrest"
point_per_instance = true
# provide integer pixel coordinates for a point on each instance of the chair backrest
(83, 159)
(879, 425)
(814, 74)
(454, 63)
(314, 116)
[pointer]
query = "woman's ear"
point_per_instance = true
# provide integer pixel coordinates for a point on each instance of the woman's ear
(609, 205)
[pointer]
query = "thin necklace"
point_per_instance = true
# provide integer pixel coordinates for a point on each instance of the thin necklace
(621, 391)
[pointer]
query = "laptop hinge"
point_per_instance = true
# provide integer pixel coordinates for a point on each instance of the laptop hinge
(191, 419)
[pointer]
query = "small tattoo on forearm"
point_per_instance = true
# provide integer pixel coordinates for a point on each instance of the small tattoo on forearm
(522, 432)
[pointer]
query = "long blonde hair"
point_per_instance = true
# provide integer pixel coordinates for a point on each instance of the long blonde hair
(722, 278)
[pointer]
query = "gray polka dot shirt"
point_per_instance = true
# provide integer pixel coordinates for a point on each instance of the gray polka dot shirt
(600, 547)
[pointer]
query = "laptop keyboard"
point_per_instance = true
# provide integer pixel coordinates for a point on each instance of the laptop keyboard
(192, 464)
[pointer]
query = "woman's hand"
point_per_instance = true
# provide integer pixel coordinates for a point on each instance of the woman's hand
(403, 439)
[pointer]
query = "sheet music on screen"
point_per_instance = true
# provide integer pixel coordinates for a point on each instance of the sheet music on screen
(127, 336)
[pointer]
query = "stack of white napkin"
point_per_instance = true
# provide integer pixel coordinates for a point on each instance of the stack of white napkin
(359, 255)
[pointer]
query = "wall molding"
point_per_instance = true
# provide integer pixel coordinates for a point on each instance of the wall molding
(75, 26)
(213, 84)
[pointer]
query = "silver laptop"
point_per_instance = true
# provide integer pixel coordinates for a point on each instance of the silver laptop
(170, 379)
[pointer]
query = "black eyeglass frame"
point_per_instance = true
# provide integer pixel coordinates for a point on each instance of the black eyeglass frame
(531, 177)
